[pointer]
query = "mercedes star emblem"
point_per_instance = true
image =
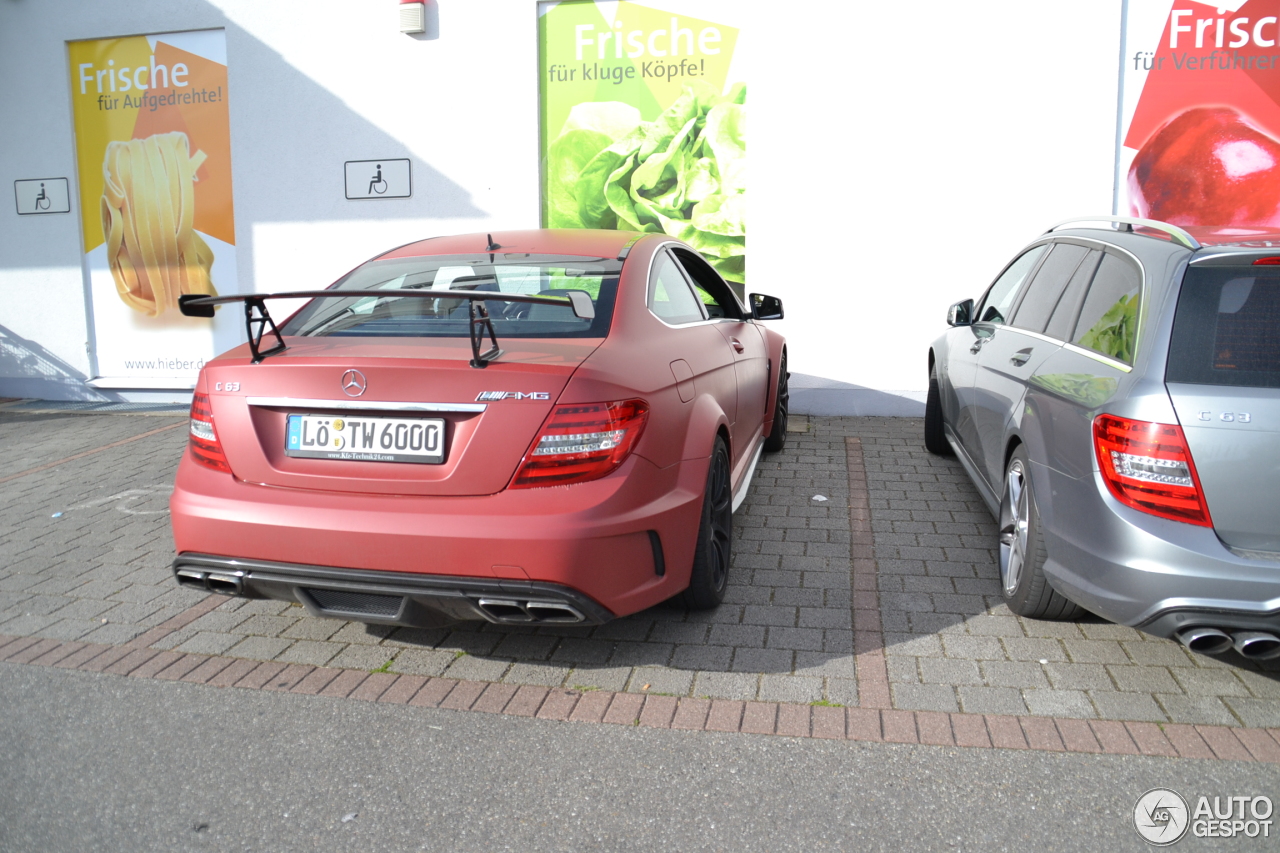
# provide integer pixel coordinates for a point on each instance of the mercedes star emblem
(353, 383)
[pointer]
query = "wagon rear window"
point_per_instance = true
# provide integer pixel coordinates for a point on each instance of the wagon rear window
(1227, 328)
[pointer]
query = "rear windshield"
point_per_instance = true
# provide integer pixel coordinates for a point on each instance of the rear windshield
(1227, 329)
(391, 315)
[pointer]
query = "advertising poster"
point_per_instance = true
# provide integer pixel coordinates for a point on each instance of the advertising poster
(644, 122)
(1200, 113)
(153, 147)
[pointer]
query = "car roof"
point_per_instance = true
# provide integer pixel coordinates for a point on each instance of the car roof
(544, 241)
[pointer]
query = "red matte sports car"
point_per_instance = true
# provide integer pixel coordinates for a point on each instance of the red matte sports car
(546, 427)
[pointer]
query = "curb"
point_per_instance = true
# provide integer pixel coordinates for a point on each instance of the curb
(869, 725)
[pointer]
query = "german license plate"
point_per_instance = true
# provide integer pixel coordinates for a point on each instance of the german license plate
(366, 439)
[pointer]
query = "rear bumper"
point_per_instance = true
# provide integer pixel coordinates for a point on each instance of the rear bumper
(1147, 572)
(391, 598)
(591, 540)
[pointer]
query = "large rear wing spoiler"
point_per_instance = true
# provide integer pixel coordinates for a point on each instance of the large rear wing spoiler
(257, 319)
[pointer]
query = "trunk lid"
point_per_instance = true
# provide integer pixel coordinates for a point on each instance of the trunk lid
(484, 441)
(1224, 380)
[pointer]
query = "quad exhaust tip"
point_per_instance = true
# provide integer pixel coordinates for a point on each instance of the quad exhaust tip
(1253, 645)
(513, 611)
(223, 583)
(1257, 645)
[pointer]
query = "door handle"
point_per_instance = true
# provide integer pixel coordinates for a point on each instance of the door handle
(737, 345)
(1020, 357)
(977, 345)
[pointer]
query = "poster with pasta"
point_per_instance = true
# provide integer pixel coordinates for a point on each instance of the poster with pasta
(1199, 140)
(644, 121)
(153, 147)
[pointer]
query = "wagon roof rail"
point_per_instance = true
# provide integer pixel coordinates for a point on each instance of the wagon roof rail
(1179, 235)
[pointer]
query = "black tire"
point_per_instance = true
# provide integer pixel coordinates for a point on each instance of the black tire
(935, 437)
(1022, 553)
(777, 439)
(714, 550)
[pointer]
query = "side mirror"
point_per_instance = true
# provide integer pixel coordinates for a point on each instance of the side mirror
(766, 307)
(960, 314)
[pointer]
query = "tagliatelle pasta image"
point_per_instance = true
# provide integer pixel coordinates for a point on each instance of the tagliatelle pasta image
(148, 207)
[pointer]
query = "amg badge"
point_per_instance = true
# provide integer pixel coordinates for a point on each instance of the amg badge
(512, 395)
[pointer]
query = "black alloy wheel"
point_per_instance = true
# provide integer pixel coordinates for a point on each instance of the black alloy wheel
(777, 439)
(710, 575)
(935, 437)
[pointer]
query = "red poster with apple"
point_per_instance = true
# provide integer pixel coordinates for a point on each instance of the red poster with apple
(1200, 113)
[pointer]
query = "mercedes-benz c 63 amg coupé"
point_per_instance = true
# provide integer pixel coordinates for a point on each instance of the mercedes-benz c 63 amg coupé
(539, 427)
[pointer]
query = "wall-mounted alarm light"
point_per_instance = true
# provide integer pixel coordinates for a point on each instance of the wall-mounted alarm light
(413, 16)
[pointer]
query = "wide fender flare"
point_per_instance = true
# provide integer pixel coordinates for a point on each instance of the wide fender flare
(705, 421)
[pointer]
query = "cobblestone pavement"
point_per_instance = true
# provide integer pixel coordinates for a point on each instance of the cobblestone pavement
(903, 566)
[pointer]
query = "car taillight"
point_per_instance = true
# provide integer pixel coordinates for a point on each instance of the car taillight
(582, 442)
(205, 447)
(1267, 262)
(1148, 466)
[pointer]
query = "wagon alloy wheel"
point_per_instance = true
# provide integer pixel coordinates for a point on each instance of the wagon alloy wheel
(935, 434)
(1013, 527)
(1022, 550)
(710, 575)
(782, 409)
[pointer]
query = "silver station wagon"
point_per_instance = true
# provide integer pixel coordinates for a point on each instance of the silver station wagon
(1115, 397)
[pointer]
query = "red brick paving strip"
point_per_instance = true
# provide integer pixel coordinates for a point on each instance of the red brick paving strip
(624, 709)
(1005, 732)
(1150, 740)
(207, 670)
(1114, 737)
(970, 730)
(759, 718)
(261, 675)
(793, 720)
(494, 698)
(315, 681)
(182, 620)
(526, 702)
(347, 680)
(725, 715)
(658, 712)
(591, 707)
(1224, 743)
(1187, 741)
(868, 636)
(403, 690)
(860, 724)
(288, 677)
(1260, 744)
(374, 686)
(558, 705)
(433, 692)
(935, 728)
(62, 651)
(1077, 736)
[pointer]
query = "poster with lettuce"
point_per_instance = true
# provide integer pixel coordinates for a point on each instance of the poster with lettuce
(644, 123)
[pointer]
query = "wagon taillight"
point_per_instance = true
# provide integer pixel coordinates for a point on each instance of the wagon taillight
(582, 441)
(1148, 466)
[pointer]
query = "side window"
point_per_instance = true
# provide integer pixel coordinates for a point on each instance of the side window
(999, 299)
(1063, 320)
(712, 292)
(1108, 321)
(669, 295)
(1041, 296)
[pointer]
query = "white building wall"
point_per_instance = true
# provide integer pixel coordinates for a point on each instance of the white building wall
(899, 155)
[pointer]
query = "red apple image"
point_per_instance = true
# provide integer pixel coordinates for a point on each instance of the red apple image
(1208, 166)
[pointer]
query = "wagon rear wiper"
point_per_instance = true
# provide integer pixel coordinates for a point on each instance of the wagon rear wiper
(258, 322)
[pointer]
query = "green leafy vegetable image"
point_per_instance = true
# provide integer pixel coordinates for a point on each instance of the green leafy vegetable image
(1116, 331)
(683, 174)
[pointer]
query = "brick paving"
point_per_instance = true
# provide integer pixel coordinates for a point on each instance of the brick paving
(871, 615)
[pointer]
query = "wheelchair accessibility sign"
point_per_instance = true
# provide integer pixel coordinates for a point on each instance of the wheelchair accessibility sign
(378, 179)
(42, 195)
